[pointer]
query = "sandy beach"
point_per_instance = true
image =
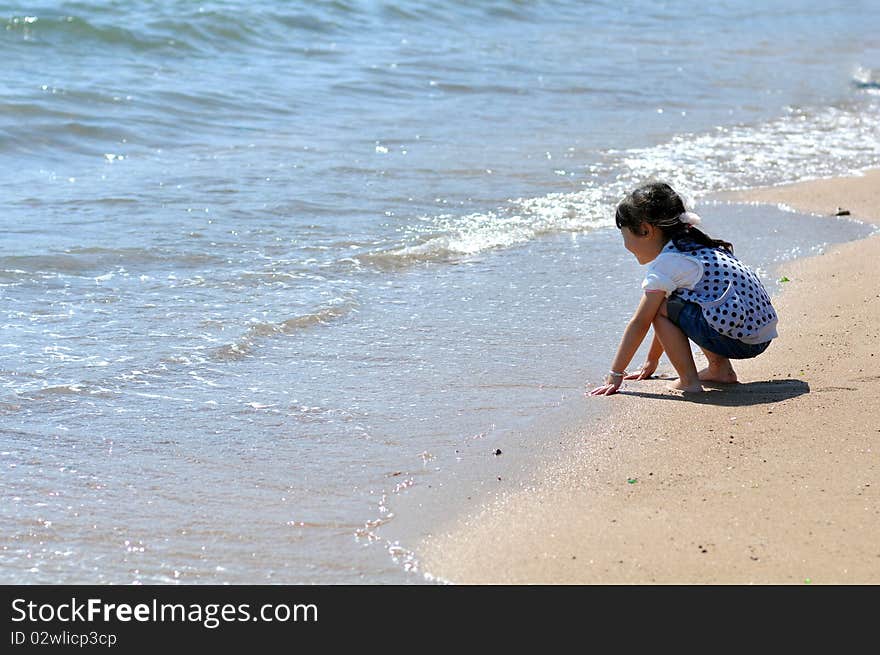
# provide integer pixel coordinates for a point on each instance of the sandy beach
(772, 480)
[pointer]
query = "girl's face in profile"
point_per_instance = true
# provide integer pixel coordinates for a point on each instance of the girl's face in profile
(643, 242)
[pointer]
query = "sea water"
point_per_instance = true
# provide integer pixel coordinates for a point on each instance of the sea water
(265, 265)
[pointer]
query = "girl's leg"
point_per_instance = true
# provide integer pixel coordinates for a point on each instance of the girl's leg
(678, 349)
(719, 370)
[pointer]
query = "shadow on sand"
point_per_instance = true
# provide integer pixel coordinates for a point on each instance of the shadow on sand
(733, 395)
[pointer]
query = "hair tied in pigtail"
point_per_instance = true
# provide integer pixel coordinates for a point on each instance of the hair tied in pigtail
(689, 218)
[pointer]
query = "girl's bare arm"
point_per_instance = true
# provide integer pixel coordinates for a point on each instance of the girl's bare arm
(633, 336)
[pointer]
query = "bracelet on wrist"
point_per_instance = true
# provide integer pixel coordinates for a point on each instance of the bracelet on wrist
(617, 375)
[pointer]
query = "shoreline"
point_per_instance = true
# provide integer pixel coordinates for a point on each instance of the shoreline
(779, 485)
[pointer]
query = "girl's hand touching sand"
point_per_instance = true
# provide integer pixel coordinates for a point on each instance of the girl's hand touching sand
(612, 384)
(604, 390)
(646, 371)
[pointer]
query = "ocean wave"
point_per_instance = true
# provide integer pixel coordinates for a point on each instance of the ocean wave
(244, 345)
(91, 259)
(182, 30)
(451, 237)
(867, 80)
(74, 390)
(100, 123)
(78, 31)
(179, 33)
(804, 143)
(220, 27)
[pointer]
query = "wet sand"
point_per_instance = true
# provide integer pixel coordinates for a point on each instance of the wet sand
(772, 480)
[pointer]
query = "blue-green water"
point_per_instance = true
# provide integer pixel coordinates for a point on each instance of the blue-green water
(263, 264)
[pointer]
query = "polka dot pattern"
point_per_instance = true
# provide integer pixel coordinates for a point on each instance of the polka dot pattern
(733, 299)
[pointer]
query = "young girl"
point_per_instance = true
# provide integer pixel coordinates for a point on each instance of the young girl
(694, 289)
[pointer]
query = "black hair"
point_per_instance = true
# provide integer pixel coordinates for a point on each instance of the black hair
(659, 204)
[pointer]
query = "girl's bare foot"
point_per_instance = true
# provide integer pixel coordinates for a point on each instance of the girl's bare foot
(696, 387)
(723, 376)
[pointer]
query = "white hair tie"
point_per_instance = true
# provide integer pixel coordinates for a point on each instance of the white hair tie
(689, 218)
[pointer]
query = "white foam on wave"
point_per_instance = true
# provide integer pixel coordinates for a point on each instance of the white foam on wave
(799, 145)
(866, 80)
(447, 236)
(335, 309)
(802, 144)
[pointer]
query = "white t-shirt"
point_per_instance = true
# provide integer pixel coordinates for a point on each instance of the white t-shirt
(670, 271)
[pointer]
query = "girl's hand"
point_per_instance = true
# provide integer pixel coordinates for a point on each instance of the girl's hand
(604, 390)
(612, 384)
(646, 371)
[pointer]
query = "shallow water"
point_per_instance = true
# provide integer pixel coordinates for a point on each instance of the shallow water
(263, 267)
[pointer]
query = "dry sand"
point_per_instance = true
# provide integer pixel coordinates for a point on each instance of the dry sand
(773, 480)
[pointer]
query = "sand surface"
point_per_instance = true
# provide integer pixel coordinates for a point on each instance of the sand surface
(773, 480)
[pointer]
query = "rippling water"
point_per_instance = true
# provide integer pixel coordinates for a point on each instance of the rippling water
(264, 265)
